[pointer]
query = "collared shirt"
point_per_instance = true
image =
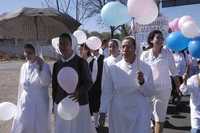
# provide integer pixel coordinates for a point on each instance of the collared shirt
(193, 89)
(181, 62)
(111, 60)
(162, 67)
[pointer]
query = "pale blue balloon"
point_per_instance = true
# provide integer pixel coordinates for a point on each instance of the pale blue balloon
(115, 14)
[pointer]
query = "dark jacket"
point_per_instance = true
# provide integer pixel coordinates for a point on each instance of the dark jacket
(84, 80)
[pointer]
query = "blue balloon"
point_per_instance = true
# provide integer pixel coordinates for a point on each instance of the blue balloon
(197, 38)
(177, 42)
(115, 14)
(194, 48)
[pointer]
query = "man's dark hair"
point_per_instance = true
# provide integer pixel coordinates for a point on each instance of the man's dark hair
(131, 39)
(29, 46)
(66, 36)
(86, 47)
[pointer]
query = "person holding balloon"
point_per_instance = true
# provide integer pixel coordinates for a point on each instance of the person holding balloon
(71, 80)
(162, 65)
(182, 65)
(126, 90)
(191, 87)
(33, 98)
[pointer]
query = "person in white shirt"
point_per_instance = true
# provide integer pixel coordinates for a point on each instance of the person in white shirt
(181, 61)
(191, 87)
(33, 95)
(104, 48)
(162, 65)
(114, 52)
(182, 64)
(125, 93)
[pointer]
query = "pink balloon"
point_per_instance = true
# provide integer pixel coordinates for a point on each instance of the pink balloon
(143, 13)
(67, 79)
(171, 26)
(175, 21)
(138, 8)
(183, 20)
(174, 25)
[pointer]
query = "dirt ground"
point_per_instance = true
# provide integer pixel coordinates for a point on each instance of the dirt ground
(9, 76)
(9, 73)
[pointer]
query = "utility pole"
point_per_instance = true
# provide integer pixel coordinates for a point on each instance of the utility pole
(158, 5)
(57, 4)
(77, 10)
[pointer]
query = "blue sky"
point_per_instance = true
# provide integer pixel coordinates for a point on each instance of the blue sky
(91, 24)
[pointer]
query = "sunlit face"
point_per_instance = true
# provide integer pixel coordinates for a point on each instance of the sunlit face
(29, 54)
(65, 46)
(158, 41)
(128, 48)
(113, 48)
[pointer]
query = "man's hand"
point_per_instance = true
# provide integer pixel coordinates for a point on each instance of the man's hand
(102, 119)
(140, 77)
(177, 84)
(185, 77)
(40, 62)
(74, 96)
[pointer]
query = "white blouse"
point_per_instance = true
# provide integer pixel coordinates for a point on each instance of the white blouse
(162, 67)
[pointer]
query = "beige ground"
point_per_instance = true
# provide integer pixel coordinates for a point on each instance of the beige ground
(9, 73)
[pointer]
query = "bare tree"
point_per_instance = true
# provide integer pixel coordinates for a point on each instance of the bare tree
(75, 8)
(83, 9)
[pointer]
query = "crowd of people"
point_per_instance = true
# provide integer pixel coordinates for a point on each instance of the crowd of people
(132, 91)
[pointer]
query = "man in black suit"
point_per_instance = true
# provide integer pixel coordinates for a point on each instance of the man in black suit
(96, 67)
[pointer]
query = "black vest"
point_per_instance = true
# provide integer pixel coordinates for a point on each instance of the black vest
(97, 83)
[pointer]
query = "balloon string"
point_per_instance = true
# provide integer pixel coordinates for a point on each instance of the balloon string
(137, 61)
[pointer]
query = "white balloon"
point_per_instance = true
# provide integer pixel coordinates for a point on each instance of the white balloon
(80, 36)
(55, 44)
(68, 79)
(7, 111)
(94, 43)
(68, 109)
(148, 15)
(190, 29)
(136, 7)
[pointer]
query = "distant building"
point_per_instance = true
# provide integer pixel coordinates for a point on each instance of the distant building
(141, 32)
(15, 47)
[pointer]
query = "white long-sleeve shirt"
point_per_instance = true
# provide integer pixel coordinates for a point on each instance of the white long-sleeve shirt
(162, 67)
(181, 62)
(193, 89)
(127, 102)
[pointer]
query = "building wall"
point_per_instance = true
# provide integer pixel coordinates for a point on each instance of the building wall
(16, 48)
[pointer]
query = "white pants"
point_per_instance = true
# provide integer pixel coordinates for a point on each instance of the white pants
(160, 104)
